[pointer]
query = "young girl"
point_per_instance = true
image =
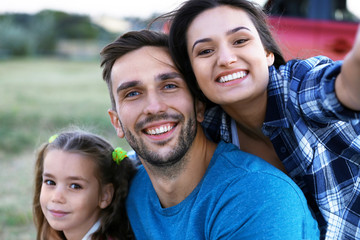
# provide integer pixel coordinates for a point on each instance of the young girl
(301, 116)
(81, 184)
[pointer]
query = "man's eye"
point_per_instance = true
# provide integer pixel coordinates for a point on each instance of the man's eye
(75, 186)
(132, 94)
(170, 86)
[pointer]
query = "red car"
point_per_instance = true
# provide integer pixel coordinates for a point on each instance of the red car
(305, 28)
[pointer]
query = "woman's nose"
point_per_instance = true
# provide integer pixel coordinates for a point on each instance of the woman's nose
(226, 56)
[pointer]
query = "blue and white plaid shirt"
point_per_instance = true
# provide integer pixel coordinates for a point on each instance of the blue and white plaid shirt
(316, 138)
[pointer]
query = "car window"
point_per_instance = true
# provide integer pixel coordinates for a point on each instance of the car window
(295, 8)
(313, 9)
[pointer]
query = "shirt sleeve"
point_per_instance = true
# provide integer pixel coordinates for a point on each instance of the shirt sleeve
(312, 90)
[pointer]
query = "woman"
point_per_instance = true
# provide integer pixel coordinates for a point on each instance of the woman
(301, 116)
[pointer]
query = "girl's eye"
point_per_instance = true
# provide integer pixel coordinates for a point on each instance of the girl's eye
(49, 182)
(206, 51)
(75, 186)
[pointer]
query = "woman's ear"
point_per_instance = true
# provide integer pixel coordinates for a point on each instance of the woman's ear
(270, 58)
(115, 121)
(107, 193)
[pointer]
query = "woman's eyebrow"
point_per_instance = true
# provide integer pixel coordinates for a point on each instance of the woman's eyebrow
(234, 30)
(200, 41)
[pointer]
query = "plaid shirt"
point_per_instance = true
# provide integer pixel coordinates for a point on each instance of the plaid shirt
(316, 138)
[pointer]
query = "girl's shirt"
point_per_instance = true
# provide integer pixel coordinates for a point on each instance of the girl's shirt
(93, 229)
(316, 138)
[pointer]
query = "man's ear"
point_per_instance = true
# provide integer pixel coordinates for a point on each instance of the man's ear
(115, 121)
(107, 193)
(200, 110)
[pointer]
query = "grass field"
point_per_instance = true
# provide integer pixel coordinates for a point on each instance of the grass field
(37, 98)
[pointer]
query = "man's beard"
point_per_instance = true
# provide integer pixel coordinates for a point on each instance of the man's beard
(174, 160)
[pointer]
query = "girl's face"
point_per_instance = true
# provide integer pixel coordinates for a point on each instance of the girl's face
(70, 195)
(227, 56)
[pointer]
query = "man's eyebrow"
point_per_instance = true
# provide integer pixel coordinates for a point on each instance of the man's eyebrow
(127, 85)
(169, 75)
(227, 33)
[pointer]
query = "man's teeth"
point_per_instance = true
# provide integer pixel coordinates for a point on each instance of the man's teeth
(231, 77)
(160, 130)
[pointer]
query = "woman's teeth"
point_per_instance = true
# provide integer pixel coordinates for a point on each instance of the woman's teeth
(233, 76)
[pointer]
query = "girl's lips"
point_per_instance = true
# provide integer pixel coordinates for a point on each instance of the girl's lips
(58, 213)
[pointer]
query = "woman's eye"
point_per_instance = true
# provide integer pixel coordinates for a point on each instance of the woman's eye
(240, 41)
(206, 51)
(75, 186)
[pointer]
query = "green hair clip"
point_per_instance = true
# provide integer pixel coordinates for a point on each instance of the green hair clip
(52, 138)
(118, 155)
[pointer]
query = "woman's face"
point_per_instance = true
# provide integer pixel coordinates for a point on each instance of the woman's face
(227, 56)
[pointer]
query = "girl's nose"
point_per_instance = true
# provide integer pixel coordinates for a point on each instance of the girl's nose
(58, 195)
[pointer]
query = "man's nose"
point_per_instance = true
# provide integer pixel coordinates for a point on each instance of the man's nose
(155, 104)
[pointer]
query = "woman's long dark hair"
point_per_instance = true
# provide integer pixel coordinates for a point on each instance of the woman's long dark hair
(180, 21)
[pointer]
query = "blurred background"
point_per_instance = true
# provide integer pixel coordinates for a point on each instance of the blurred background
(50, 75)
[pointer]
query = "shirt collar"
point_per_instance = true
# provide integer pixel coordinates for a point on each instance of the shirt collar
(93, 229)
(276, 105)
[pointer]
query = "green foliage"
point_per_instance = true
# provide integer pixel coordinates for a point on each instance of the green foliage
(24, 34)
(14, 39)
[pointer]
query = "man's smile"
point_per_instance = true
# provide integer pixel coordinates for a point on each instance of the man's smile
(160, 129)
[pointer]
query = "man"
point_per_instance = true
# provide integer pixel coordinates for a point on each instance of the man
(188, 187)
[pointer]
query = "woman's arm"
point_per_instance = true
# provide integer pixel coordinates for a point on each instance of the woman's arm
(347, 85)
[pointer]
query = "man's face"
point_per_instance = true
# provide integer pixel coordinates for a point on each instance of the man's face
(155, 110)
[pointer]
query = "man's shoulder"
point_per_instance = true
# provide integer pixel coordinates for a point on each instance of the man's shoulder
(228, 155)
(245, 168)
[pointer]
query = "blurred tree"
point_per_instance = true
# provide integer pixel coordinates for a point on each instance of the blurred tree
(14, 38)
(24, 34)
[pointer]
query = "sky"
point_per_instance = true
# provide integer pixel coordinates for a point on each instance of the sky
(113, 8)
